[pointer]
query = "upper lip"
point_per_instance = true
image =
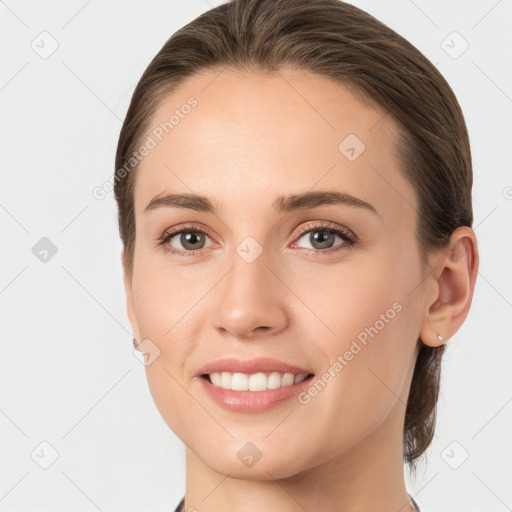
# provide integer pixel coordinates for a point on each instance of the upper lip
(261, 364)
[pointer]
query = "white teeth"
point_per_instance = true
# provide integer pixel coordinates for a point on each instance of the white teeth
(216, 379)
(300, 377)
(288, 379)
(256, 381)
(275, 381)
(240, 382)
(225, 380)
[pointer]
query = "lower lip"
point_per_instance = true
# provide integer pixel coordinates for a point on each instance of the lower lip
(252, 401)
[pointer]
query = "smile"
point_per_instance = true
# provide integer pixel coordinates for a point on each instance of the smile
(260, 381)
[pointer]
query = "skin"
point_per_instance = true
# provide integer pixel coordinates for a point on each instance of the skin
(251, 138)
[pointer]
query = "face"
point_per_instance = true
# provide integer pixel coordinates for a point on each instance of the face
(327, 284)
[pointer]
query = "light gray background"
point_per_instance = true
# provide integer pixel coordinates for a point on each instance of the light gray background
(68, 376)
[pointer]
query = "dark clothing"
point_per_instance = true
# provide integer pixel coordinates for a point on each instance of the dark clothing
(179, 508)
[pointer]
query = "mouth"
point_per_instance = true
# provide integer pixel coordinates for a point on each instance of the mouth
(260, 381)
(252, 386)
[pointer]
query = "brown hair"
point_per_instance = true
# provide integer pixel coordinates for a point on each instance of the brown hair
(344, 43)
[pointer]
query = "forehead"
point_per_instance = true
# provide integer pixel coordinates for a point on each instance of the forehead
(244, 138)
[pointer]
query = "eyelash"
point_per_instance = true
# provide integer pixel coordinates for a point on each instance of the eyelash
(349, 238)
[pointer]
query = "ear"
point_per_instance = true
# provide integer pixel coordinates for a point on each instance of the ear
(452, 283)
(130, 308)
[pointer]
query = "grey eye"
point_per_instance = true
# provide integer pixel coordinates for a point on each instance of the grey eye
(320, 239)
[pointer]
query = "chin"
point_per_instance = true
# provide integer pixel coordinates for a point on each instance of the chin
(251, 459)
(263, 470)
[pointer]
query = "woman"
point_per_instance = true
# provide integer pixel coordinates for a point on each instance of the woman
(294, 182)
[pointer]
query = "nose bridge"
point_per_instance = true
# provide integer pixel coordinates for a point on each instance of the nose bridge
(249, 264)
(251, 297)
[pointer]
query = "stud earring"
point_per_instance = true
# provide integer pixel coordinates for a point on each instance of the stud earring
(135, 343)
(439, 337)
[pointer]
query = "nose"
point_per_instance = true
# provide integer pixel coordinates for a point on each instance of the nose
(252, 299)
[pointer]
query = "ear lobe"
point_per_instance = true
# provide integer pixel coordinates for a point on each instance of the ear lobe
(455, 286)
(130, 307)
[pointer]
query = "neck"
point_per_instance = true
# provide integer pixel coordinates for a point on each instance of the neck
(370, 476)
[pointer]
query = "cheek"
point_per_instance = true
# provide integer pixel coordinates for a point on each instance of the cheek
(350, 297)
(160, 299)
(367, 323)
(164, 306)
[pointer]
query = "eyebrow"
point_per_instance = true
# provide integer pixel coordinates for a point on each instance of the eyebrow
(283, 204)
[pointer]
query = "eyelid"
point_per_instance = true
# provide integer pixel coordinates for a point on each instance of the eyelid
(350, 238)
(188, 226)
(327, 226)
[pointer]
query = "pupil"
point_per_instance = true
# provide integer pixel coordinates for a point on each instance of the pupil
(190, 240)
(323, 238)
